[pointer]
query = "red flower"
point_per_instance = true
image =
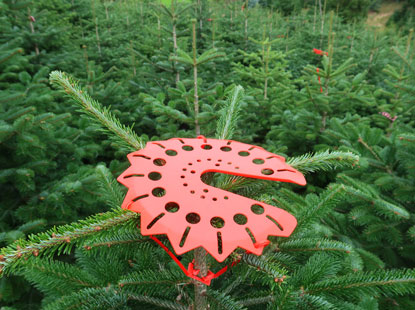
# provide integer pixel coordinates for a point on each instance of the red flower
(320, 52)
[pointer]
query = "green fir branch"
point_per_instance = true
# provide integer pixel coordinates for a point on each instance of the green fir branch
(222, 301)
(257, 301)
(91, 299)
(314, 245)
(396, 282)
(229, 114)
(100, 115)
(157, 302)
(324, 161)
(60, 239)
(109, 188)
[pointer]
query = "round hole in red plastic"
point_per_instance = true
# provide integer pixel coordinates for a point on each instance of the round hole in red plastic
(187, 147)
(214, 198)
(185, 184)
(159, 162)
(193, 218)
(154, 176)
(172, 207)
(217, 222)
(226, 149)
(205, 190)
(267, 171)
(158, 192)
(257, 209)
(258, 161)
(206, 146)
(171, 152)
(240, 219)
(243, 153)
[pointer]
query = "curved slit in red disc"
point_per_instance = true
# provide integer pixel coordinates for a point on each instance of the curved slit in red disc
(154, 221)
(275, 222)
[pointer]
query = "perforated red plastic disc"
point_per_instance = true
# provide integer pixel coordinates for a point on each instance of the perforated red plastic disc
(164, 185)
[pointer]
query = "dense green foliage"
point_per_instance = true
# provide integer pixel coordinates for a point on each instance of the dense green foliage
(224, 69)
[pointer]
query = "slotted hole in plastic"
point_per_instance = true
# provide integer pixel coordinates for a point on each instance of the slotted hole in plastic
(184, 237)
(142, 156)
(219, 234)
(155, 220)
(275, 222)
(140, 197)
(133, 175)
(251, 235)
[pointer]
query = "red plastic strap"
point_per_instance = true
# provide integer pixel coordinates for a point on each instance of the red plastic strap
(190, 271)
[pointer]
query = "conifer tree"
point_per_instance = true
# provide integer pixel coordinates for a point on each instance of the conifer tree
(112, 265)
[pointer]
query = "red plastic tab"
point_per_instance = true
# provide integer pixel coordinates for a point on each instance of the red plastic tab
(165, 186)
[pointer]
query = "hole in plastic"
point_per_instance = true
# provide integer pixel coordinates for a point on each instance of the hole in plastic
(187, 147)
(219, 242)
(275, 222)
(172, 207)
(184, 237)
(226, 149)
(158, 192)
(251, 235)
(142, 156)
(159, 162)
(193, 218)
(267, 171)
(257, 209)
(171, 152)
(217, 222)
(133, 175)
(155, 176)
(240, 219)
(258, 161)
(206, 146)
(243, 153)
(154, 221)
(140, 197)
